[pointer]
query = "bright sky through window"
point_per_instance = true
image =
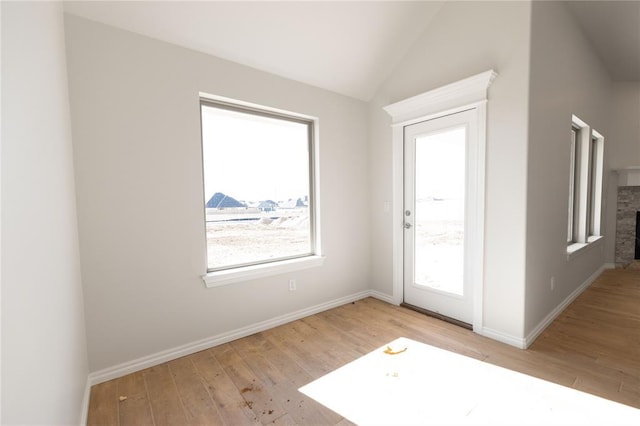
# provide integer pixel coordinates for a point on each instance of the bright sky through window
(254, 158)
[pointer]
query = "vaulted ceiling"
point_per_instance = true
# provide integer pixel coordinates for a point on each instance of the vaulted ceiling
(348, 47)
(613, 28)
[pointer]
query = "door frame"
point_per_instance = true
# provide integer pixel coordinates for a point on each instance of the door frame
(467, 94)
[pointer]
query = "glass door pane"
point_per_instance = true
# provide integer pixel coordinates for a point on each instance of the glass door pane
(440, 164)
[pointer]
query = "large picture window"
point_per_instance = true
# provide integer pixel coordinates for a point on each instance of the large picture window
(258, 169)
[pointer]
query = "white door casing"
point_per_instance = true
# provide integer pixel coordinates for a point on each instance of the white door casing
(467, 94)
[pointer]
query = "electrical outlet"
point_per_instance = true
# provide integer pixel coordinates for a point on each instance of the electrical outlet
(553, 283)
(292, 285)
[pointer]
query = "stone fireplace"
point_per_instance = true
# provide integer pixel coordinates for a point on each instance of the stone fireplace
(628, 216)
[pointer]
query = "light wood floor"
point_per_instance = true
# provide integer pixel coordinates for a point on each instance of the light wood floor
(593, 346)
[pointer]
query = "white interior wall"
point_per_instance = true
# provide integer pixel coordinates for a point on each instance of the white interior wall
(624, 133)
(44, 355)
(136, 128)
(464, 39)
(566, 78)
(625, 125)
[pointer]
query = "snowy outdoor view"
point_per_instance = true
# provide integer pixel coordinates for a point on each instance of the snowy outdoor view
(257, 187)
(439, 210)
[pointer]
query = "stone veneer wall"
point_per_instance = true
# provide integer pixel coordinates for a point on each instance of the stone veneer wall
(628, 205)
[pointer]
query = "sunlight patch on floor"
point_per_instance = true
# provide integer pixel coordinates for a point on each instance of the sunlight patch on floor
(428, 385)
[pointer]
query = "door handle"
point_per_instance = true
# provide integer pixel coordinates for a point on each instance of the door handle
(407, 225)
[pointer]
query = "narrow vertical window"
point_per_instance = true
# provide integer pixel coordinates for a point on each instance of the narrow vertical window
(258, 185)
(590, 187)
(595, 184)
(585, 186)
(573, 179)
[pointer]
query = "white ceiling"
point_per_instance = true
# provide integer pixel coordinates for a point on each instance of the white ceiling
(345, 47)
(348, 47)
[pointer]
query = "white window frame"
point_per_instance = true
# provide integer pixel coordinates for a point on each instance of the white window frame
(258, 270)
(585, 198)
(572, 228)
(597, 165)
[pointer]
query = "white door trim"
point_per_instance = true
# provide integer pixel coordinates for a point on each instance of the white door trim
(470, 93)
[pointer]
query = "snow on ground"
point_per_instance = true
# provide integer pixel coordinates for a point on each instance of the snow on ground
(273, 235)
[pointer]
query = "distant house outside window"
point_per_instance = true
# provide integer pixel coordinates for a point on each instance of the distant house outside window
(259, 186)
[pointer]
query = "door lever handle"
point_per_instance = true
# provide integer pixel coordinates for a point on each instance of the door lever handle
(407, 225)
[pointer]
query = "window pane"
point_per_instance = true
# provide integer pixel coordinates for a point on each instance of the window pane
(572, 188)
(592, 186)
(440, 171)
(257, 187)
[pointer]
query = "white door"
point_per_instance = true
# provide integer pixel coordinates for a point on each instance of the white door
(438, 188)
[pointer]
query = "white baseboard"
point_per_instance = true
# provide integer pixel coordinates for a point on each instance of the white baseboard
(381, 296)
(518, 342)
(531, 337)
(193, 347)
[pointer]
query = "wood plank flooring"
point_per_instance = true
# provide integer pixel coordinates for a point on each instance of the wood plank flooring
(593, 346)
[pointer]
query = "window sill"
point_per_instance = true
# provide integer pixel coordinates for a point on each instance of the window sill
(247, 273)
(575, 249)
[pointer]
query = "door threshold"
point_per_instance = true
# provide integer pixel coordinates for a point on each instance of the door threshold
(438, 316)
